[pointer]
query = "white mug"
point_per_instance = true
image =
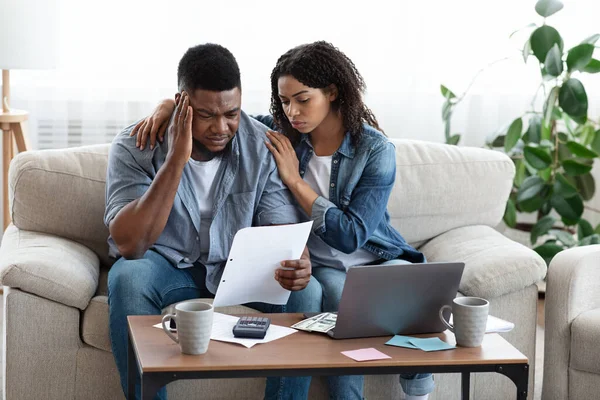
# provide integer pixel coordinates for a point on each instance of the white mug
(194, 320)
(470, 316)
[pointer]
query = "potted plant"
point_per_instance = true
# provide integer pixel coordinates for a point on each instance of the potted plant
(553, 145)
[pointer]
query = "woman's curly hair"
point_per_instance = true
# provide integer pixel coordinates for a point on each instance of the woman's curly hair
(318, 65)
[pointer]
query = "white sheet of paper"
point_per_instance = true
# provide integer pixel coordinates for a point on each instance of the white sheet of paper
(223, 331)
(255, 254)
(494, 325)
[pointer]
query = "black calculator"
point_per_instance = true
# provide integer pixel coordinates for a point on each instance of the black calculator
(251, 327)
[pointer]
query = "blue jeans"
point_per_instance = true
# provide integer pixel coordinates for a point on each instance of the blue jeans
(146, 286)
(331, 282)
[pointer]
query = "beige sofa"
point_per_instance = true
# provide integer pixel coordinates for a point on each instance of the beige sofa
(572, 326)
(53, 262)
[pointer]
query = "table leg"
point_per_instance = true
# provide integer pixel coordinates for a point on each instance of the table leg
(465, 385)
(150, 387)
(20, 136)
(132, 369)
(7, 143)
(519, 374)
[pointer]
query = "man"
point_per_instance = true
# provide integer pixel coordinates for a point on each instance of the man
(172, 212)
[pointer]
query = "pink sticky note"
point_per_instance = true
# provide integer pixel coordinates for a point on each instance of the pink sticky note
(365, 354)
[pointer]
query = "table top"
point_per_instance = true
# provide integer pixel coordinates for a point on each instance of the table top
(156, 352)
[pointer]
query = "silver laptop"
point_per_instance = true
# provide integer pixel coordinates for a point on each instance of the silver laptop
(396, 299)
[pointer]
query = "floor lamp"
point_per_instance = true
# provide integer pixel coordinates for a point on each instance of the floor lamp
(27, 41)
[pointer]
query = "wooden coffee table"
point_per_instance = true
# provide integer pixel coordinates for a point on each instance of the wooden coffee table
(158, 360)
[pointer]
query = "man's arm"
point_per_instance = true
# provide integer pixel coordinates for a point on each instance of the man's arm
(138, 225)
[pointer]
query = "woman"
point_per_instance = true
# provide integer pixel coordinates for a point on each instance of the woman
(333, 157)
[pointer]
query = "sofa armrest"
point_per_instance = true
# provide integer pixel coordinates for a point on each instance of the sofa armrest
(571, 289)
(48, 266)
(494, 264)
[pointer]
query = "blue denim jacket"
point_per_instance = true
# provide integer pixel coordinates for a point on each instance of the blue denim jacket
(362, 178)
(250, 193)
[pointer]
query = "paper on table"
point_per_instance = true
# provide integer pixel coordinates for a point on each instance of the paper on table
(494, 325)
(431, 344)
(365, 354)
(223, 331)
(401, 341)
(255, 254)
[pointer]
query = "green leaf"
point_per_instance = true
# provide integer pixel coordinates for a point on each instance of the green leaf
(570, 208)
(574, 167)
(592, 39)
(573, 99)
(546, 8)
(548, 251)
(579, 56)
(536, 157)
(596, 142)
(534, 130)
(542, 40)
(597, 230)
(562, 187)
(447, 93)
(530, 188)
(564, 237)
(580, 150)
(498, 141)
(593, 66)
(520, 174)
(549, 106)
(553, 62)
(454, 139)
(592, 239)
(545, 174)
(586, 186)
(513, 135)
(510, 214)
(584, 229)
(541, 227)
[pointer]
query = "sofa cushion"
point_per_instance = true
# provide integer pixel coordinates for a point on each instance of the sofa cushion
(94, 322)
(585, 336)
(61, 192)
(494, 264)
(441, 187)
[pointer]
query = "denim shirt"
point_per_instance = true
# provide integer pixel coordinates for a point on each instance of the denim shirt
(362, 178)
(250, 193)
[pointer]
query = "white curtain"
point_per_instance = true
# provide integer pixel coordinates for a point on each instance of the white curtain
(118, 58)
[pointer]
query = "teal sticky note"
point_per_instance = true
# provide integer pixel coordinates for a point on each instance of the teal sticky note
(401, 341)
(431, 344)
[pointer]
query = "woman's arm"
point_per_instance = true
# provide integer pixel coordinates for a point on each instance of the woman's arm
(154, 125)
(350, 229)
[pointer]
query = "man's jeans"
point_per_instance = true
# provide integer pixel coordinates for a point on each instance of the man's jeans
(324, 293)
(146, 286)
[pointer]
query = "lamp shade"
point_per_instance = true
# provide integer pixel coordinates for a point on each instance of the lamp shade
(28, 34)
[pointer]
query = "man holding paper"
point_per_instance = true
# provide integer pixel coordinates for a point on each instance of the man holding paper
(172, 212)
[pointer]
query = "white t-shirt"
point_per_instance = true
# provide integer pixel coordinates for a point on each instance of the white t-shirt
(204, 184)
(318, 176)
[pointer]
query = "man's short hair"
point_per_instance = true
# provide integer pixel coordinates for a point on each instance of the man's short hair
(208, 67)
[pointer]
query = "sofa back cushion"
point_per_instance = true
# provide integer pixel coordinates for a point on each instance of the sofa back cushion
(438, 188)
(441, 187)
(61, 192)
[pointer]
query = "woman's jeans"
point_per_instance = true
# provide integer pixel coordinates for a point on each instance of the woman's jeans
(323, 294)
(145, 287)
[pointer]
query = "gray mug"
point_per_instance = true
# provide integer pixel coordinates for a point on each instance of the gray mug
(470, 316)
(194, 320)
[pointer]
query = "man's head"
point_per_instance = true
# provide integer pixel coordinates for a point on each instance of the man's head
(210, 75)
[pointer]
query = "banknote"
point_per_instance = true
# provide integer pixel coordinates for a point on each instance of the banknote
(320, 323)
